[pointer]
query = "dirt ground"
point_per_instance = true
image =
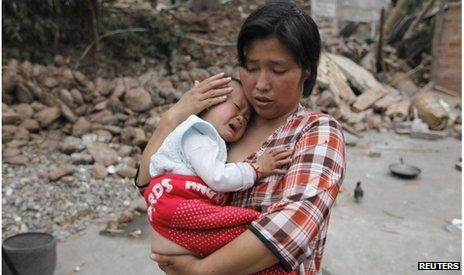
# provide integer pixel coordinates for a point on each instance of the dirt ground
(398, 222)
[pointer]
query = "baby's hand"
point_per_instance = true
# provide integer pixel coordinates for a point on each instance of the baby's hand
(273, 161)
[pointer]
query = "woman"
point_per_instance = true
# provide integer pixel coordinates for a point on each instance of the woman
(278, 51)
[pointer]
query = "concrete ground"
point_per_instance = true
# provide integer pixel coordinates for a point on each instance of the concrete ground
(398, 223)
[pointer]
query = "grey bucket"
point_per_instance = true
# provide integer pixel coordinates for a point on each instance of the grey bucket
(31, 253)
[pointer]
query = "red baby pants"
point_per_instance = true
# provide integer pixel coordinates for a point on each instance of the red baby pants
(186, 211)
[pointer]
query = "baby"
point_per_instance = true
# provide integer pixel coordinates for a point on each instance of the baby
(189, 174)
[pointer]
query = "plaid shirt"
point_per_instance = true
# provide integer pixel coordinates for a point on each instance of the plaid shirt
(296, 206)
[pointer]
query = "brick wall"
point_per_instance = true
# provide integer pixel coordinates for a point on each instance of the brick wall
(446, 68)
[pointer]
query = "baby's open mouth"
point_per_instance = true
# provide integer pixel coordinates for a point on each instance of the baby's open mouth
(232, 127)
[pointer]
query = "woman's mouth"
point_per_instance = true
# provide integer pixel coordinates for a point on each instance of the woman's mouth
(262, 102)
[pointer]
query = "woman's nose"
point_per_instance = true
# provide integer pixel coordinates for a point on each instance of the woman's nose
(263, 83)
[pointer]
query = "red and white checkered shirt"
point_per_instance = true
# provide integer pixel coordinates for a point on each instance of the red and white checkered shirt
(296, 206)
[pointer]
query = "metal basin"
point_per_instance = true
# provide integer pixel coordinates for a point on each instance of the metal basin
(31, 253)
(405, 171)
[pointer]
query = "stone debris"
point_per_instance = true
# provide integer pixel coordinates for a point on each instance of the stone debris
(126, 216)
(136, 233)
(99, 171)
(57, 173)
(17, 160)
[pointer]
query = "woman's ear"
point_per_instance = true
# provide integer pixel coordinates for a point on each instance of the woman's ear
(307, 74)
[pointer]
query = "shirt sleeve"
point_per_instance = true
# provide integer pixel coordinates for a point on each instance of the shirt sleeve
(291, 227)
(202, 153)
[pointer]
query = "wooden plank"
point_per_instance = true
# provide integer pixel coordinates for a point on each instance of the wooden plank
(330, 76)
(382, 104)
(368, 98)
(359, 77)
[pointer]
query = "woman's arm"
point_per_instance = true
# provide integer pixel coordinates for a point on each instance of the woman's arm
(205, 94)
(246, 254)
(291, 229)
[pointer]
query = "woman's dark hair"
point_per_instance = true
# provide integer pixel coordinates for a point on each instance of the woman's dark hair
(293, 27)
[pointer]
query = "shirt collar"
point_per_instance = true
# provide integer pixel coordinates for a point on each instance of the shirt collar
(299, 113)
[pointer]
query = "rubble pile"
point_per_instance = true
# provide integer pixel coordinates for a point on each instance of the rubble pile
(70, 144)
(352, 95)
(363, 53)
(371, 83)
(90, 115)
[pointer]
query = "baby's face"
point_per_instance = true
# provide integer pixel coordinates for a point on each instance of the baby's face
(231, 117)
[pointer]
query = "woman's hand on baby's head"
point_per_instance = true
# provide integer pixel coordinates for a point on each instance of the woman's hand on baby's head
(274, 161)
(208, 92)
(202, 95)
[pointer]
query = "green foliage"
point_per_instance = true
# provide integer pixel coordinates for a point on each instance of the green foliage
(27, 21)
(37, 29)
(33, 28)
(157, 42)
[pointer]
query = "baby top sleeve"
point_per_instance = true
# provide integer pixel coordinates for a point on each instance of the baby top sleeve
(195, 148)
(206, 153)
(168, 159)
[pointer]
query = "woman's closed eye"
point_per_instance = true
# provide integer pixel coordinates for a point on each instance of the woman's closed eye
(279, 71)
(251, 68)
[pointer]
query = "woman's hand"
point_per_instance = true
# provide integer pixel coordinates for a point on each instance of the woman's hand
(203, 95)
(181, 265)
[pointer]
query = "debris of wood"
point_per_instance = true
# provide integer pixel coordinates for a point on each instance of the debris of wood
(399, 109)
(429, 134)
(380, 55)
(330, 75)
(374, 121)
(382, 104)
(359, 77)
(369, 97)
(327, 99)
(402, 82)
(430, 110)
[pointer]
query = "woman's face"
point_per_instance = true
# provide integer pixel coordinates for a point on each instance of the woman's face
(271, 79)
